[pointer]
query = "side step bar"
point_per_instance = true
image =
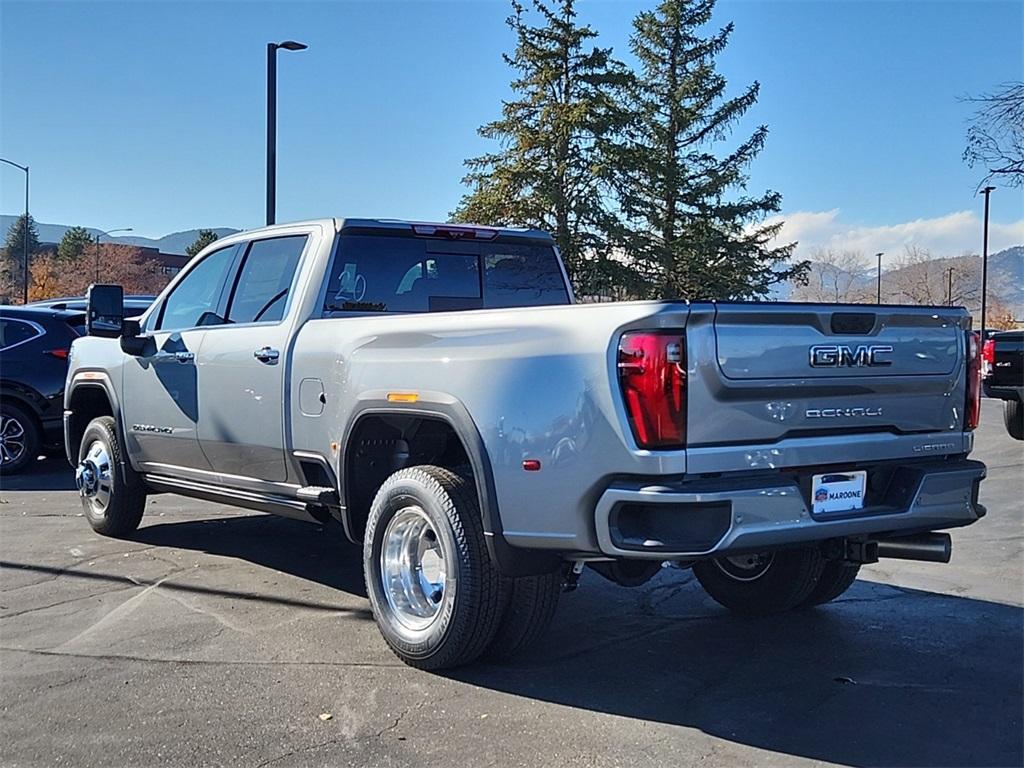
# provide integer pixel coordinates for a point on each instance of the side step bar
(318, 494)
(299, 509)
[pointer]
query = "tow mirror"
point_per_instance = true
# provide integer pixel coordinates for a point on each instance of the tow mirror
(105, 311)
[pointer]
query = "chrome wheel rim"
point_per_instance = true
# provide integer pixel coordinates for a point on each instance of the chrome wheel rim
(12, 440)
(95, 479)
(413, 569)
(748, 567)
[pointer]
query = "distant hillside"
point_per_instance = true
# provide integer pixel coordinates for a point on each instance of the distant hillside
(176, 242)
(922, 282)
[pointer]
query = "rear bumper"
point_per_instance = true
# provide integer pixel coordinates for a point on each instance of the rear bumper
(696, 519)
(1003, 392)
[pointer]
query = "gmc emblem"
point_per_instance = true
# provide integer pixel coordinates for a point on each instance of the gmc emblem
(842, 356)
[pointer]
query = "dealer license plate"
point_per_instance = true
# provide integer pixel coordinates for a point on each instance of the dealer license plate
(838, 491)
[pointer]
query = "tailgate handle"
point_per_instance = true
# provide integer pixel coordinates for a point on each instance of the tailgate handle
(852, 323)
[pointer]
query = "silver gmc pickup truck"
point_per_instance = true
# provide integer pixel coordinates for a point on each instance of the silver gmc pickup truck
(434, 392)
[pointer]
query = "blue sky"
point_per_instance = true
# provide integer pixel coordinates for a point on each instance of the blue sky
(151, 115)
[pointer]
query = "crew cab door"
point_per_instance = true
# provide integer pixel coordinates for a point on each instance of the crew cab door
(161, 394)
(243, 363)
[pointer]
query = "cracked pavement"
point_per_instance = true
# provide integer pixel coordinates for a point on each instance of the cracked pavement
(218, 636)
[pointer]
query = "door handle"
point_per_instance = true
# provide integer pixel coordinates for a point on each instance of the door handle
(174, 357)
(266, 355)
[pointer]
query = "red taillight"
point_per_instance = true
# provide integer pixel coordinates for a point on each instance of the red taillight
(988, 358)
(972, 411)
(652, 374)
(60, 354)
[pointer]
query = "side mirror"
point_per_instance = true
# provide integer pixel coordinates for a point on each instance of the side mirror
(134, 344)
(105, 311)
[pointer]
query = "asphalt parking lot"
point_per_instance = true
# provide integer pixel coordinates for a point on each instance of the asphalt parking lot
(222, 637)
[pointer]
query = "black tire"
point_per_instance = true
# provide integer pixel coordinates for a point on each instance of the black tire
(778, 581)
(836, 578)
(467, 607)
(1013, 417)
(532, 602)
(115, 507)
(20, 439)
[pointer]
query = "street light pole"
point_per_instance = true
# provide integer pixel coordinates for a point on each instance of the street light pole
(25, 274)
(272, 48)
(105, 234)
(984, 263)
(878, 299)
(949, 288)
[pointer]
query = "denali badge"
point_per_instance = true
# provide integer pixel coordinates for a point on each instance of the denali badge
(152, 428)
(841, 413)
(842, 356)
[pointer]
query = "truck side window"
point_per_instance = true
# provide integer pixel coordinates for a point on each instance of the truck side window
(522, 276)
(262, 290)
(411, 274)
(198, 292)
(398, 274)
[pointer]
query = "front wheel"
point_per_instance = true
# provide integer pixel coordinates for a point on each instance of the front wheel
(1013, 417)
(435, 594)
(112, 498)
(761, 583)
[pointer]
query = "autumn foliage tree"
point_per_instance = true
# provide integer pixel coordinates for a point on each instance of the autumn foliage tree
(125, 265)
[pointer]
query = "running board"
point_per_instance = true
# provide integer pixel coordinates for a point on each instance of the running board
(318, 494)
(275, 505)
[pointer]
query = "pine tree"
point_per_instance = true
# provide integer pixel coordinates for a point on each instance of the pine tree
(546, 173)
(688, 226)
(205, 237)
(12, 266)
(74, 243)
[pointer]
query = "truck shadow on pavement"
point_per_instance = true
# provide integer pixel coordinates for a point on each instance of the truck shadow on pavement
(284, 545)
(883, 676)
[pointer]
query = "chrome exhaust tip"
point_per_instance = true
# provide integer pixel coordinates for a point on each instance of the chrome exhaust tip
(927, 547)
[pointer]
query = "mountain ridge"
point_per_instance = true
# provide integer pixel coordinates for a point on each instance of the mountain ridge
(175, 242)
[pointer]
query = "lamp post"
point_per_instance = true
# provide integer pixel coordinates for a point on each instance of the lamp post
(272, 48)
(878, 299)
(949, 288)
(105, 234)
(984, 263)
(25, 274)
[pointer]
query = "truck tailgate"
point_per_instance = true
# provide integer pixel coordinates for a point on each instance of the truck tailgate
(764, 373)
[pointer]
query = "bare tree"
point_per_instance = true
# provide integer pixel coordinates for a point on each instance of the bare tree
(995, 135)
(835, 277)
(919, 278)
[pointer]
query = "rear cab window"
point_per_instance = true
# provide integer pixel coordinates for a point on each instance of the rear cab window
(396, 272)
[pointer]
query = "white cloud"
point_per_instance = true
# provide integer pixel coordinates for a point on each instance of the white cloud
(950, 235)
